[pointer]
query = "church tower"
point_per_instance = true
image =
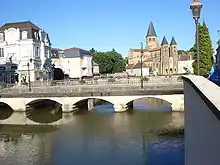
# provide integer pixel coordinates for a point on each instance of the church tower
(151, 38)
(164, 56)
(174, 54)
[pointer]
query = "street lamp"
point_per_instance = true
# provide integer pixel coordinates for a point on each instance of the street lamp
(53, 67)
(29, 79)
(142, 65)
(196, 8)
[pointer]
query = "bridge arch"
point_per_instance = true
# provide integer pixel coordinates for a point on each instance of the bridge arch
(44, 111)
(5, 111)
(84, 103)
(174, 100)
(40, 100)
(151, 102)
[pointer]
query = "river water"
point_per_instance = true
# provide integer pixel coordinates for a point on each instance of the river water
(100, 138)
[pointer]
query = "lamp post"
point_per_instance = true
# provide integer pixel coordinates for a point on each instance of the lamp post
(29, 79)
(142, 65)
(53, 66)
(196, 8)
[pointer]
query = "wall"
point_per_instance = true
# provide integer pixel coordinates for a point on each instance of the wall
(95, 69)
(22, 50)
(87, 64)
(202, 126)
(187, 64)
(137, 72)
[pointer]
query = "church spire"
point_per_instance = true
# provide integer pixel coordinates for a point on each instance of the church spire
(151, 31)
(164, 41)
(173, 41)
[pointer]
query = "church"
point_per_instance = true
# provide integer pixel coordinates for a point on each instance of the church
(159, 58)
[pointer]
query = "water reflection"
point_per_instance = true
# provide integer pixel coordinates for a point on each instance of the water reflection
(95, 138)
(151, 104)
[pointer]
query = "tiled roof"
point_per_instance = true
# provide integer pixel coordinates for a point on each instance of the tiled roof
(164, 41)
(151, 31)
(75, 52)
(173, 41)
(136, 66)
(74, 48)
(139, 50)
(129, 66)
(56, 49)
(20, 25)
(145, 50)
(185, 57)
(154, 49)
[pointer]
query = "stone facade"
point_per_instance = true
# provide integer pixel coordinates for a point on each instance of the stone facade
(24, 43)
(160, 58)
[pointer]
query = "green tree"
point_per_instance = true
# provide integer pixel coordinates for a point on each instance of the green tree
(205, 51)
(109, 62)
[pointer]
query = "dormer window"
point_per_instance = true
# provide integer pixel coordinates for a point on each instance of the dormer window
(24, 35)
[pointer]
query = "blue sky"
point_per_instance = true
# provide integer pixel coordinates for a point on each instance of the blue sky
(107, 24)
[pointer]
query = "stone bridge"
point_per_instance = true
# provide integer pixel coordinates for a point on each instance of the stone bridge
(121, 103)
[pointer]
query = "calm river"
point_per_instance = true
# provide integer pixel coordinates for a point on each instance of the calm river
(97, 138)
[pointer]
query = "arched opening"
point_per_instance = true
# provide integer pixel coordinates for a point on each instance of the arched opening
(149, 104)
(58, 74)
(93, 104)
(171, 70)
(44, 111)
(5, 111)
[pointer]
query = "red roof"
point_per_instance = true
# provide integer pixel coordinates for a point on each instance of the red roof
(74, 48)
(20, 25)
(145, 50)
(56, 49)
(185, 57)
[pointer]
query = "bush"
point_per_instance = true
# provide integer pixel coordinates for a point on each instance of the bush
(145, 79)
(111, 80)
(82, 81)
(53, 83)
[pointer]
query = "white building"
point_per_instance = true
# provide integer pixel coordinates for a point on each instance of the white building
(135, 70)
(22, 43)
(74, 62)
(95, 67)
(185, 63)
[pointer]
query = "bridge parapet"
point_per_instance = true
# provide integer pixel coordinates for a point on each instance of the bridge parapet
(202, 121)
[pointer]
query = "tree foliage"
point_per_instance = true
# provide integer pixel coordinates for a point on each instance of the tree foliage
(109, 62)
(205, 51)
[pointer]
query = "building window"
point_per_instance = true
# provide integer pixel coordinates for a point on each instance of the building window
(24, 35)
(1, 52)
(37, 52)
